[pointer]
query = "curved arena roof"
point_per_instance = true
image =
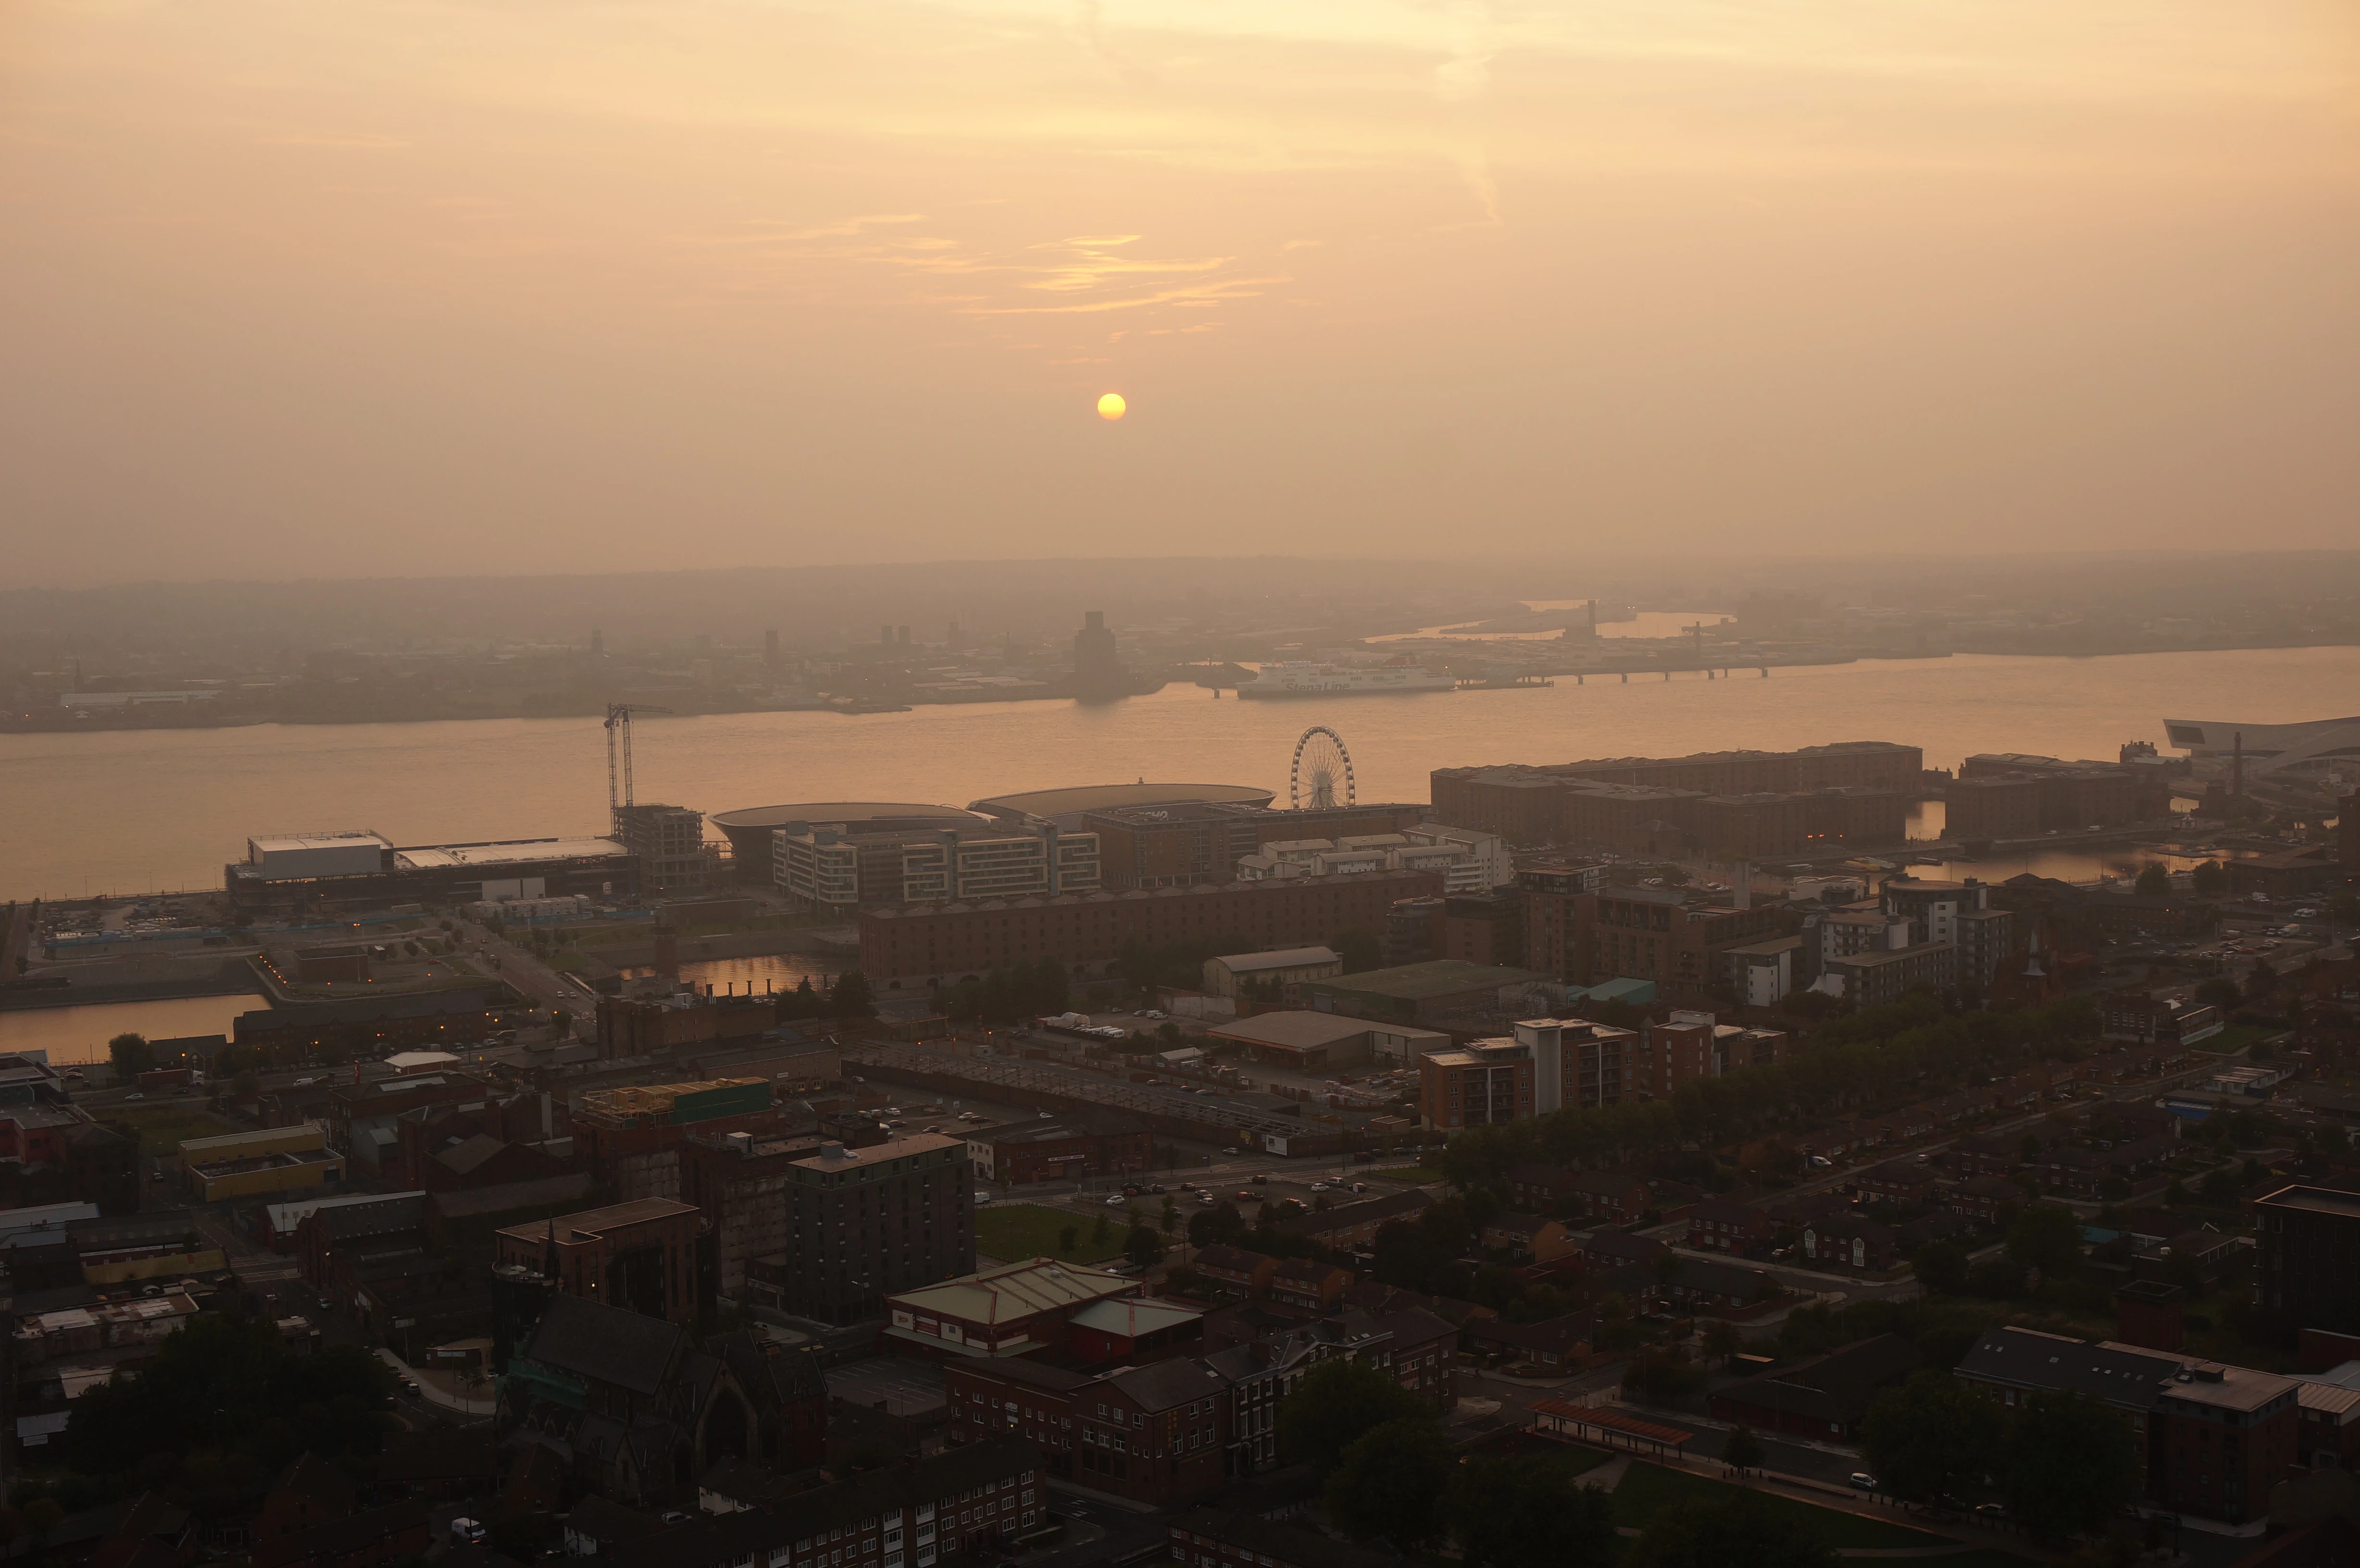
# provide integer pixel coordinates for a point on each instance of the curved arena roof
(1106, 796)
(880, 813)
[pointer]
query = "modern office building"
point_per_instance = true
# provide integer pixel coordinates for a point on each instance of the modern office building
(2313, 752)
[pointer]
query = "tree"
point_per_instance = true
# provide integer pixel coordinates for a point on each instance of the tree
(1100, 1230)
(1359, 948)
(2209, 879)
(1406, 1256)
(129, 1055)
(1745, 1531)
(1925, 1437)
(851, 996)
(1942, 1268)
(1743, 1451)
(1995, 1278)
(1221, 1225)
(1068, 1240)
(1392, 1481)
(1335, 1403)
(225, 1384)
(1721, 1340)
(2046, 1237)
(1171, 1214)
(2067, 1464)
(2154, 881)
(1514, 1513)
(2221, 992)
(1146, 1247)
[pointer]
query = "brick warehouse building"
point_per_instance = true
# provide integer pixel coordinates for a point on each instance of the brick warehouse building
(1741, 802)
(913, 944)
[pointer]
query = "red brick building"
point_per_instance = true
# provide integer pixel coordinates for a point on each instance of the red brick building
(640, 1256)
(1156, 1434)
(1718, 1224)
(909, 945)
(2223, 1438)
(1615, 1196)
(1306, 1286)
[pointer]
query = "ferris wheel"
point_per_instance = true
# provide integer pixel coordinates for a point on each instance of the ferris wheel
(1322, 774)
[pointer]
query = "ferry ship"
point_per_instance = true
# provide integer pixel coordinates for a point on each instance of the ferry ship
(1306, 680)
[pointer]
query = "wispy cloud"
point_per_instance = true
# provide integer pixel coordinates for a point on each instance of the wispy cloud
(323, 139)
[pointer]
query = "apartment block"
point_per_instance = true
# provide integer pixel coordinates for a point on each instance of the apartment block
(857, 1224)
(1547, 1065)
(832, 866)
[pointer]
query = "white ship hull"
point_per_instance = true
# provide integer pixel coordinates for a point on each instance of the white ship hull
(1341, 681)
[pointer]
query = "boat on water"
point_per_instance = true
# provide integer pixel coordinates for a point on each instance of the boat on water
(1302, 679)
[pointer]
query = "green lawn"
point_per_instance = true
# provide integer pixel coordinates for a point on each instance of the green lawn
(1569, 1461)
(1012, 1231)
(2237, 1036)
(1648, 1488)
(1417, 1175)
(162, 1129)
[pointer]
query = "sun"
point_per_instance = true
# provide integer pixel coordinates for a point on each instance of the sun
(1111, 406)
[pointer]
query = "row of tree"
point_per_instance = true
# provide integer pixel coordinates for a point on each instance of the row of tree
(1390, 1471)
(1008, 996)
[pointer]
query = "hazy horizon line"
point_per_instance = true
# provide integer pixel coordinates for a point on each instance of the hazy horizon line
(1589, 561)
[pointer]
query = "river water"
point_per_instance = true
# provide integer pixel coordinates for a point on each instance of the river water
(135, 810)
(80, 1034)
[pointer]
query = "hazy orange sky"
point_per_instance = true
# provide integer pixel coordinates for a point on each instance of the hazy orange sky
(401, 287)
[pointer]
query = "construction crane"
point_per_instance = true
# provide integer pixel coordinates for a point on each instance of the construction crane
(619, 744)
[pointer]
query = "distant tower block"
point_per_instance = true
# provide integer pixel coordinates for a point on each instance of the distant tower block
(597, 641)
(903, 638)
(770, 647)
(885, 634)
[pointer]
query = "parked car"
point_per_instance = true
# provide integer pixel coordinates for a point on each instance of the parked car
(1115, 1201)
(1863, 1480)
(1262, 1180)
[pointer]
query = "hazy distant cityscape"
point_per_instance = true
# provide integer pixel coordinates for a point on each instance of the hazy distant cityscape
(1309, 784)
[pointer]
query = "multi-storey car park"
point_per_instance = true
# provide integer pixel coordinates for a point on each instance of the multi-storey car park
(1046, 1088)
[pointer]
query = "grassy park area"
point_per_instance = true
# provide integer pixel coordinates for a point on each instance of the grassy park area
(1649, 1488)
(1010, 1231)
(162, 1129)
